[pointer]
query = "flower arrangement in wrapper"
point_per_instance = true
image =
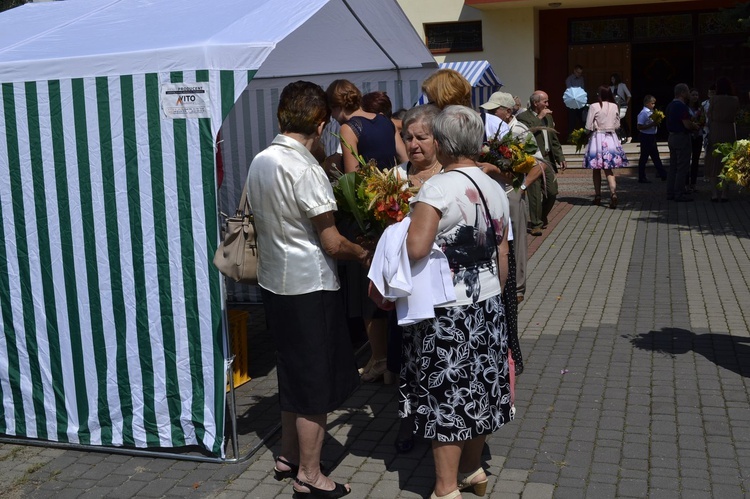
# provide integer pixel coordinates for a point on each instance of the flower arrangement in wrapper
(512, 154)
(373, 198)
(657, 116)
(579, 138)
(735, 156)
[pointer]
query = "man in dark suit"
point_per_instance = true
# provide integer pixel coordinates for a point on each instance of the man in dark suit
(543, 193)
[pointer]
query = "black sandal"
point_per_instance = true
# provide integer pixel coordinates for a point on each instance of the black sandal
(293, 470)
(279, 475)
(338, 491)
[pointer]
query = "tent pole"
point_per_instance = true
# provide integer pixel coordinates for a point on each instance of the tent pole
(382, 49)
(228, 370)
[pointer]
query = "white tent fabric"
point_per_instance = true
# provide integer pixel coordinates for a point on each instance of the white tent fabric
(112, 310)
(481, 76)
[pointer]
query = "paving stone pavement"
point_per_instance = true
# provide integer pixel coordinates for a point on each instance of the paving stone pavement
(637, 354)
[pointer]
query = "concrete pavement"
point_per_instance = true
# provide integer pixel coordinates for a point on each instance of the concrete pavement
(637, 354)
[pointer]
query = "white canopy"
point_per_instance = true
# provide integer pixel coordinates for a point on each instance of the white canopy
(83, 38)
(109, 113)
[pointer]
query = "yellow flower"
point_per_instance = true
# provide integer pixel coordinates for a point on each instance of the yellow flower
(657, 116)
(736, 160)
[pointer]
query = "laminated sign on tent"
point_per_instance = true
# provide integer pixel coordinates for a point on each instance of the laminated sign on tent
(484, 82)
(114, 325)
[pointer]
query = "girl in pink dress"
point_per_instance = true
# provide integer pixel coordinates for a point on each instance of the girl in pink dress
(604, 151)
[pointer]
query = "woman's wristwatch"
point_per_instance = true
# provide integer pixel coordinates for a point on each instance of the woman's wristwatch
(523, 187)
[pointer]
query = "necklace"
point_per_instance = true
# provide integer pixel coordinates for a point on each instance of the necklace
(431, 172)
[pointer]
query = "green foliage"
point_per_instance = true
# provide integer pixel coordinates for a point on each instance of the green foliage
(9, 4)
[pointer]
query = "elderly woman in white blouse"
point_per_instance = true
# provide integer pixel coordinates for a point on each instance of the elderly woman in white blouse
(298, 243)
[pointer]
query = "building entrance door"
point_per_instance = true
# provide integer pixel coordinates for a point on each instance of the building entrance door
(657, 68)
(599, 61)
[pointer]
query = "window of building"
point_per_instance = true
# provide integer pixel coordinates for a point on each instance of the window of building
(461, 36)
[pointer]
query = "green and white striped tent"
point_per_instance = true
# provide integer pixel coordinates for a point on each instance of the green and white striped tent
(112, 313)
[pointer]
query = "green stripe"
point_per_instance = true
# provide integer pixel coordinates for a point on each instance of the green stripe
(115, 271)
(226, 79)
(27, 294)
(188, 270)
(161, 232)
(45, 254)
(145, 355)
(115, 275)
(210, 204)
(66, 233)
(45, 260)
(89, 228)
(14, 371)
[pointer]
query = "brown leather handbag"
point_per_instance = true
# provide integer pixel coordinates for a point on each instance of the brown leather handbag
(237, 255)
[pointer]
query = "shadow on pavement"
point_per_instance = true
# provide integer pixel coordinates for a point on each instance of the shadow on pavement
(730, 352)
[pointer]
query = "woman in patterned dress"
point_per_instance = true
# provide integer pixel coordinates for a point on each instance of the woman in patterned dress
(455, 377)
(604, 150)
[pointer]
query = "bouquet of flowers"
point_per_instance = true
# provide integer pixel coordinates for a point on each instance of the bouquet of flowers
(657, 116)
(373, 198)
(735, 156)
(700, 119)
(579, 138)
(511, 154)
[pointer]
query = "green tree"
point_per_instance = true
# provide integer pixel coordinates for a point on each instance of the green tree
(9, 4)
(739, 15)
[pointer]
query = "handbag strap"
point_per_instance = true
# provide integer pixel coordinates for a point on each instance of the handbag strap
(244, 206)
(484, 202)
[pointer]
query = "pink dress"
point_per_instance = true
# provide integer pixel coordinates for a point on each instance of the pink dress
(604, 150)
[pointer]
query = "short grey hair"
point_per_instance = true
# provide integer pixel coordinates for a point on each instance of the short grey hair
(458, 131)
(681, 88)
(424, 114)
(535, 98)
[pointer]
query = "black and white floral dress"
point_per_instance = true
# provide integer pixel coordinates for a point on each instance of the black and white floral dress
(454, 374)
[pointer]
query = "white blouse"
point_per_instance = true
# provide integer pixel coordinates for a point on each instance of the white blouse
(287, 187)
(464, 234)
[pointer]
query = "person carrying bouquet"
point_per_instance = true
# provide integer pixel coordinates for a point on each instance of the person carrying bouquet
(501, 104)
(647, 126)
(372, 136)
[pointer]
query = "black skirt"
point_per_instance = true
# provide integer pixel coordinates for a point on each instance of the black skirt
(454, 377)
(315, 362)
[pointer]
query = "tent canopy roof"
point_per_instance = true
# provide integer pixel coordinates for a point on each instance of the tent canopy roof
(81, 38)
(479, 73)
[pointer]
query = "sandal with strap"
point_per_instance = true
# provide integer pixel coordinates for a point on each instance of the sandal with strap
(378, 371)
(613, 201)
(452, 495)
(597, 201)
(338, 491)
(293, 470)
(279, 475)
(465, 482)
